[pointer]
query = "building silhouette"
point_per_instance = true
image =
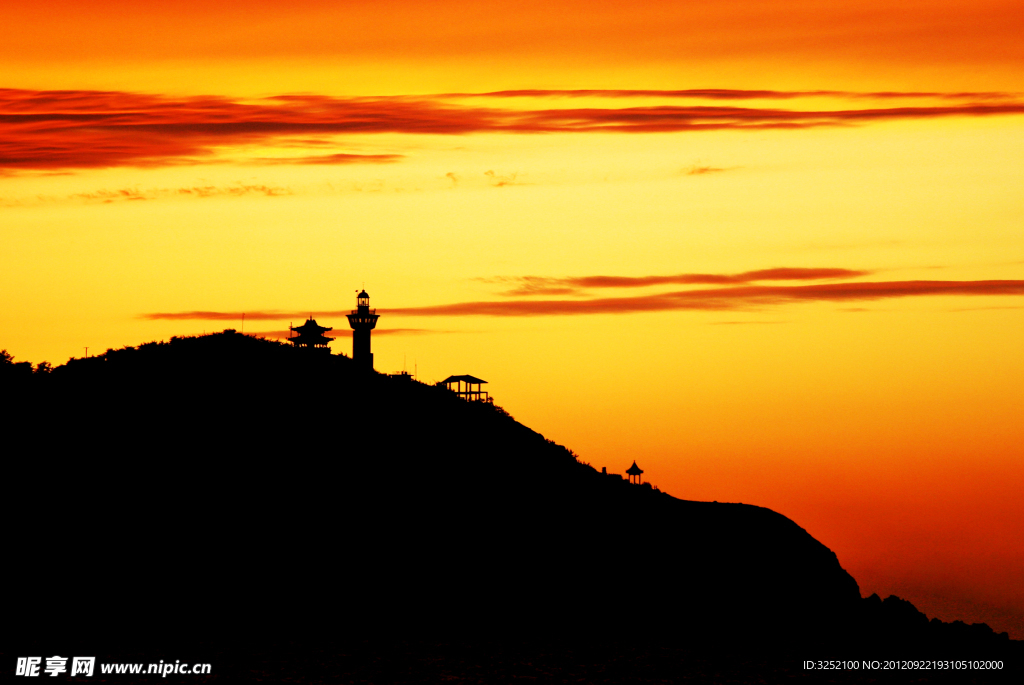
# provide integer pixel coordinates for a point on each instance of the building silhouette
(467, 387)
(309, 335)
(362, 320)
(634, 471)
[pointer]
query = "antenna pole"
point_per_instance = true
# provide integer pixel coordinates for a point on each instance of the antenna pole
(87, 353)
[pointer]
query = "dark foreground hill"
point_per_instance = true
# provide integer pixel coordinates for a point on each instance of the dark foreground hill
(231, 486)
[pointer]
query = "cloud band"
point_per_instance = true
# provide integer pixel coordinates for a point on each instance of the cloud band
(95, 129)
(729, 298)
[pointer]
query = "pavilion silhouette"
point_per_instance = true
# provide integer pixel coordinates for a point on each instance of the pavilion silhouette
(310, 335)
(468, 388)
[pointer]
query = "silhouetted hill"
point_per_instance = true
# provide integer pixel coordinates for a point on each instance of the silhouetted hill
(228, 485)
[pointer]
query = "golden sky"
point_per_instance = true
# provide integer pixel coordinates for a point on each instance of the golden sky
(773, 251)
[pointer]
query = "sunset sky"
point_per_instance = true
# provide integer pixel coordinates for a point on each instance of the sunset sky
(773, 251)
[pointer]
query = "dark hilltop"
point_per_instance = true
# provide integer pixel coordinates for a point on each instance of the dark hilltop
(237, 495)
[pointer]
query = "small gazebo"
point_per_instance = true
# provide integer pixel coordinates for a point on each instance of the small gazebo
(467, 387)
(634, 471)
(310, 335)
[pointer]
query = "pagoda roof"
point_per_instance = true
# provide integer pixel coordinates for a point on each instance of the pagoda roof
(464, 379)
(311, 327)
(634, 470)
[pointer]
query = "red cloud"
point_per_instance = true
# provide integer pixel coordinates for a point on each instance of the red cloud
(347, 332)
(718, 298)
(733, 94)
(90, 129)
(738, 297)
(776, 274)
(341, 158)
(541, 285)
(225, 316)
(87, 129)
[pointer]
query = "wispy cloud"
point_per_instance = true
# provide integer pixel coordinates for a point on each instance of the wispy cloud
(544, 285)
(281, 315)
(205, 315)
(746, 323)
(132, 194)
(738, 297)
(501, 180)
(700, 169)
(347, 332)
(53, 130)
(983, 309)
(340, 158)
(733, 94)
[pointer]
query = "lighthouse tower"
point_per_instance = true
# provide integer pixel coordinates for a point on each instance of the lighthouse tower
(362, 320)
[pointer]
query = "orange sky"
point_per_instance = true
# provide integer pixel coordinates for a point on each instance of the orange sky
(770, 250)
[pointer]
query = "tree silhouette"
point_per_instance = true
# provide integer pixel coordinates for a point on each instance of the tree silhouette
(11, 370)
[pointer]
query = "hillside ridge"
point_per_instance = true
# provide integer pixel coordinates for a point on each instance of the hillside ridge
(351, 501)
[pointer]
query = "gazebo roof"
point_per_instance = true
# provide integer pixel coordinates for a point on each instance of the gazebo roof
(634, 470)
(464, 379)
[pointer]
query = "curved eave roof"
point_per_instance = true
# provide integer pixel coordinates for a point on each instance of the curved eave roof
(311, 328)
